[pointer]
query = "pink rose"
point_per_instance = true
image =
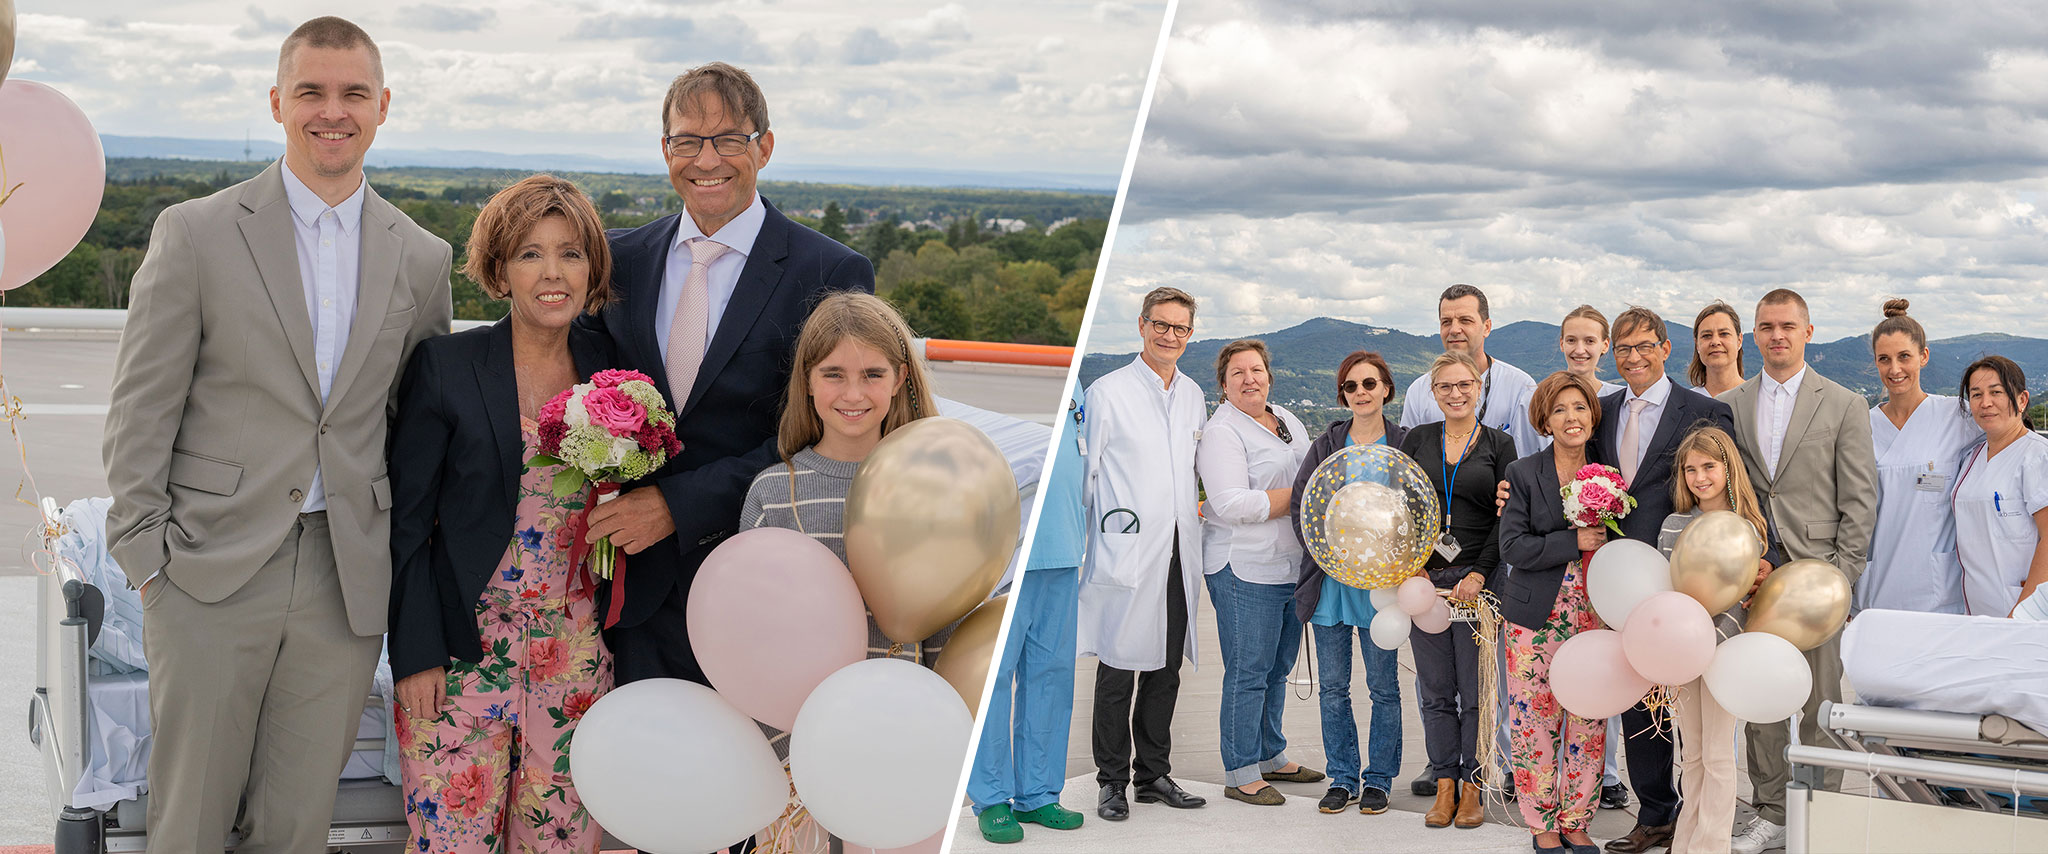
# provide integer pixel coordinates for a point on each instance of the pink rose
(614, 411)
(614, 378)
(553, 410)
(468, 791)
(547, 658)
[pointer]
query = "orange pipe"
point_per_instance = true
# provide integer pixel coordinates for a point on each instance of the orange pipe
(943, 350)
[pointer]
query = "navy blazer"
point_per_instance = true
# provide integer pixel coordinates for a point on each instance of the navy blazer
(729, 416)
(456, 461)
(1536, 540)
(1684, 411)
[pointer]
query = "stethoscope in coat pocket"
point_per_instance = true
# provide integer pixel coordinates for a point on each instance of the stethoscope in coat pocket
(1130, 527)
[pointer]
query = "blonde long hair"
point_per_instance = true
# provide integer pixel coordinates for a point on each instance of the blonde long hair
(1715, 443)
(867, 319)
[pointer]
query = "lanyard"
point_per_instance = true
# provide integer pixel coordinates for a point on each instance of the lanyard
(1452, 478)
(1483, 377)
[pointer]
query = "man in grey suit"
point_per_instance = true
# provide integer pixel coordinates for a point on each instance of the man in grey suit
(1806, 441)
(245, 445)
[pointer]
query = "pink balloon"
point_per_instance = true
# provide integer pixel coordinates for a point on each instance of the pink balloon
(1416, 596)
(771, 614)
(1669, 638)
(53, 153)
(1591, 675)
(1436, 619)
(929, 846)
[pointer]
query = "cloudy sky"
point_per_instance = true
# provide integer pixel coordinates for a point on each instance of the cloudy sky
(1352, 159)
(1048, 86)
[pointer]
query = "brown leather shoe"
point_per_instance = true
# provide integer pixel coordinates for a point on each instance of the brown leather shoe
(1643, 839)
(1471, 806)
(1439, 814)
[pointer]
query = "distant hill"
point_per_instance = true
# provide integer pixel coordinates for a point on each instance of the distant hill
(872, 176)
(1305, 359)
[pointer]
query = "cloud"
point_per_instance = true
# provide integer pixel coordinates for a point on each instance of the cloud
(867, 46)
(680, 39)
(448, 19)
(260, 24)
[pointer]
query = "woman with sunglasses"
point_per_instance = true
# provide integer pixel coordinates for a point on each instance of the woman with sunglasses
(1249, 454)
(1335, 611)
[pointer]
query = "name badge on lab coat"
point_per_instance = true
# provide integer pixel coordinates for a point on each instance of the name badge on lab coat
(1931, 482)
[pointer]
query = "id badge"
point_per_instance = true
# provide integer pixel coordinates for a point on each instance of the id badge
(1931, 482)
(1448, 547)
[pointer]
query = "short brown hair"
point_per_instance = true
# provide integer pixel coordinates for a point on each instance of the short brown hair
(1637, 317)
(1696, 371)
(1371, 358)
(1461, 292)
(1547, 392)
(1782, 296)
(333, 33)
(2010, 377)
(1241, 345)
(1162, 295)
(736, 90)
(511, 214)
(1585, 312)
(1896, 321)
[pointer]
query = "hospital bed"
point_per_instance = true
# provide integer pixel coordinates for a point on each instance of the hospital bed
(1949, 770)
(91, 722)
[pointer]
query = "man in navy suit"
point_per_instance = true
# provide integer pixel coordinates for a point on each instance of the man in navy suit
(1640, 427)
(708, 303)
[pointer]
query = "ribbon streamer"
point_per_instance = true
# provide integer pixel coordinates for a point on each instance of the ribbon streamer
(580, 547)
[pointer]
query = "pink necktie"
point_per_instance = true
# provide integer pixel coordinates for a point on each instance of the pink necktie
(687, 332)
(1631, 453)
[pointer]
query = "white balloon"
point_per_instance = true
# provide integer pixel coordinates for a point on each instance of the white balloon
(649, 746)
(1435, 620)
(1383, 598)
(877, 751)
(1622, 573)
(1390, 628)
(1759, 677)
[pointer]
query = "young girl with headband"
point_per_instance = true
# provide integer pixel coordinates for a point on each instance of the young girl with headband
(1709, 476)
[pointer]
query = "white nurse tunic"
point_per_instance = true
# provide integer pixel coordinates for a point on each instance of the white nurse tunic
(1995, 503)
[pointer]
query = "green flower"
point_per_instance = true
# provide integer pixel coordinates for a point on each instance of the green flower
(635, 466)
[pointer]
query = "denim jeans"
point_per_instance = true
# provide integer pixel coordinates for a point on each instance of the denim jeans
(1258, 634)
(1340, 726)
(1022, 760)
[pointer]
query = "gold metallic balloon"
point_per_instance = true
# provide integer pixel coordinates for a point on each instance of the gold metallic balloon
(1370, 516)
(1715, 560)
(1804, 602)
(965, 661)
(6, 42)
(931, 521)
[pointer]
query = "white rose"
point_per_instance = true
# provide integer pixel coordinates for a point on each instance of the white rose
(621, 446)
(574, 414)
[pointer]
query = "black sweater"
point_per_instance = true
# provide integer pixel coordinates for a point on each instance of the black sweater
(1473, 521)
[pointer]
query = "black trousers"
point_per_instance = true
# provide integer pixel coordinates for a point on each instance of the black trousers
(1447, 685)
(1150, 725)
(1649, 766)
(657, 648)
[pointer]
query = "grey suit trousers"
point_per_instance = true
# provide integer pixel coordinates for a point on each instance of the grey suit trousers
(1768, 770)
(262, 690)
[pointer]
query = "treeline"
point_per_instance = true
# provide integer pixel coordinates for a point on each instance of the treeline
(1019, 283)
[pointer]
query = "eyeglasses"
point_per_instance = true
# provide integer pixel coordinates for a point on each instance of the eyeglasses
(1286, 436)
(726, 144)
(1163, 328)
(1350, 386)
(1645, 350)
(1465, 387)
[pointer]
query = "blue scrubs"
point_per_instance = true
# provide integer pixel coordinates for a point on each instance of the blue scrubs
(1023, 762)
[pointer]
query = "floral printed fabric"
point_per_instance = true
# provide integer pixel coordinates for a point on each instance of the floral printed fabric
(490, 772)
(1557, 755)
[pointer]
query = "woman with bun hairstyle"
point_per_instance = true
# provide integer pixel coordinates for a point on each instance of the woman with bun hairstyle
(1921, 440)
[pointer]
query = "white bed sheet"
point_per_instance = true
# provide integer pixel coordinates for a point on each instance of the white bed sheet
(1950, 663)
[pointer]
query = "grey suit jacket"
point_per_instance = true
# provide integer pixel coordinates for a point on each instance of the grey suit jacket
(1823, 496)
(216, 424)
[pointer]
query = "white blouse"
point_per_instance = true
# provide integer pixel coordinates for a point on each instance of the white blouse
(1238, 460)
(1995, 502)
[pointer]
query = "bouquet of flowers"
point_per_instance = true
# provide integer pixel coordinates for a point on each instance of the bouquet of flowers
(611, 430)
(1596, 496)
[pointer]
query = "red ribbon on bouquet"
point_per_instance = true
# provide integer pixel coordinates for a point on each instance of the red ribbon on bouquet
(579, 549)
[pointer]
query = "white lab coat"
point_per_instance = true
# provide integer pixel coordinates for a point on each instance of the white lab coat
(1913, 564)
(1508, 391)
(1995, 503)
(1140, 450)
